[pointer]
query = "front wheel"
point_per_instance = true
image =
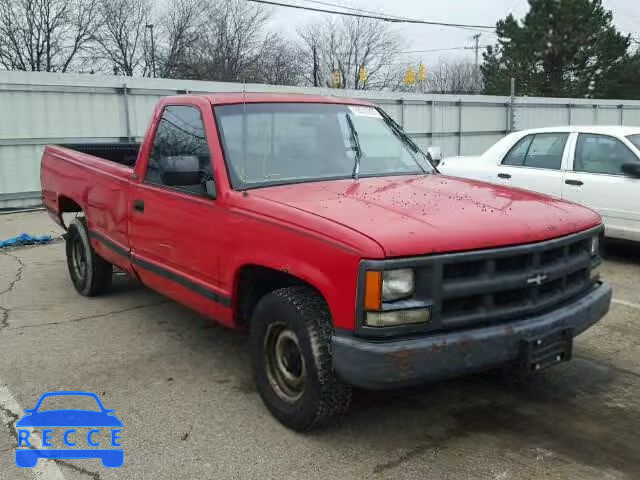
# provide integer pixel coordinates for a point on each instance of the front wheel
(290, 342)
(90, 273)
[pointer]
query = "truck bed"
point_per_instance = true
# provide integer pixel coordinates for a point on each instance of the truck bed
(94, 178)
(124, 153)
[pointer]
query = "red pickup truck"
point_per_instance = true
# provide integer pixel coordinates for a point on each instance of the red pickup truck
(317, 225)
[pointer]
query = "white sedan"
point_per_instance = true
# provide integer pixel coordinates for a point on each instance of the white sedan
(596, 166)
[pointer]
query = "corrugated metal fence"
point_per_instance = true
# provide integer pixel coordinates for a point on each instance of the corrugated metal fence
(37, 109)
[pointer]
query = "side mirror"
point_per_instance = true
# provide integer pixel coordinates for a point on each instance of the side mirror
(182, 170)
(631, 169)
(434, 154)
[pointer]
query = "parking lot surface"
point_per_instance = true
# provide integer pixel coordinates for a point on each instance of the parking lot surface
(183, 389)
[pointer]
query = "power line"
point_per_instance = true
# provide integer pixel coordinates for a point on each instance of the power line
(362, 10)
(374, 17)
(444, 49)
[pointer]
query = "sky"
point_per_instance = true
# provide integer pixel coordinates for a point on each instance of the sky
(426, 37)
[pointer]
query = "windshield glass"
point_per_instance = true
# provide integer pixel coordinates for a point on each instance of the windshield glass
(635, 139)
(280, 143)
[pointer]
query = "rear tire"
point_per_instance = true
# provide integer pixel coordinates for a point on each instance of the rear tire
(290, 347)
(90, 273)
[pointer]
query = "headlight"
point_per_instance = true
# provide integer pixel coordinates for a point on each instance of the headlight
(397, 284)
(595, 246)
(386, 286)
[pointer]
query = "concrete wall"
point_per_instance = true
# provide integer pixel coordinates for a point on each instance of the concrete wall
(37, 109)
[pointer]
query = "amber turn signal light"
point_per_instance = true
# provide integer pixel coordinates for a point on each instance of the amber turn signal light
(373, 291)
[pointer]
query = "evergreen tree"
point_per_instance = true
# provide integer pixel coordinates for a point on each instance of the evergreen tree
(562, 48)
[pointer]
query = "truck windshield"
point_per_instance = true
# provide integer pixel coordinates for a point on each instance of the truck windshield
(282, 143)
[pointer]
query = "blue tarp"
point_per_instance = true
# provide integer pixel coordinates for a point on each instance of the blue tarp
(24, 239)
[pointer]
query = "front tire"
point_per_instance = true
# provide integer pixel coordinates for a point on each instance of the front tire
(90, 273)
(290, 343)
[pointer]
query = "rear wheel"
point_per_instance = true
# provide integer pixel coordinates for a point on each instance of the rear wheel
(290, 339)
(90, 273)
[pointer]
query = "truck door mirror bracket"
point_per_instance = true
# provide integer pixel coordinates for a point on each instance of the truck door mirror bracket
(180, 170)
(434, 154)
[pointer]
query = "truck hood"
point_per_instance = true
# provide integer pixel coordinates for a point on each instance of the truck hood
(415, 215)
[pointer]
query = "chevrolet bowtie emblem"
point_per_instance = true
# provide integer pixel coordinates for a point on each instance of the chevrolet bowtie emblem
(538, 279)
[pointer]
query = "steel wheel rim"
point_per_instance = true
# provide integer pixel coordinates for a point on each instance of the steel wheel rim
(79, 259)
(286, 369)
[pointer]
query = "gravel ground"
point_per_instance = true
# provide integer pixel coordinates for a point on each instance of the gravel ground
(182, 387)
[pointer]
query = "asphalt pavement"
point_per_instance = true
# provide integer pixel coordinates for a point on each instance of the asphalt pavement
(183, 389)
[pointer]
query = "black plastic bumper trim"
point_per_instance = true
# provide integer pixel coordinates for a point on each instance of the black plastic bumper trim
(396, 363)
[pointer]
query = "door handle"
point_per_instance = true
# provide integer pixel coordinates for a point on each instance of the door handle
(573, 182)
(504, 175)
(138, 205)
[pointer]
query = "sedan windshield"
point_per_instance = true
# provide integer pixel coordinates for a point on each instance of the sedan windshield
(280, 143)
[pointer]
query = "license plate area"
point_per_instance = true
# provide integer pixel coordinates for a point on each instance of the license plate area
(544, 351)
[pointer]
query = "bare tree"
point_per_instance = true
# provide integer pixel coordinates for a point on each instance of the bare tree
(458, 76)
(180, 24)
(232, 42)
(224, 40)
(347, 45)
(121, 40)
(45, 35)
(281, 62)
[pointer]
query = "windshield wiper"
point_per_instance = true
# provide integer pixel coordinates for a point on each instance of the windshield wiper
(356, 147)
(406, 139)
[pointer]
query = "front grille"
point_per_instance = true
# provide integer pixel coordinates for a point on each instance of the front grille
(489, 286)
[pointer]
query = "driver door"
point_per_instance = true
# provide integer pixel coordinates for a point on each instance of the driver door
(175, 219)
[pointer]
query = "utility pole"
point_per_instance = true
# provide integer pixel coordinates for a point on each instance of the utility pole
(315, 67)
(476, 38)
(512, 105)
(153, 50)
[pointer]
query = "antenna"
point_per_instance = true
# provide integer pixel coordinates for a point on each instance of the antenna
(244, 130)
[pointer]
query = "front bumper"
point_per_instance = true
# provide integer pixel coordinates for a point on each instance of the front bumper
(389, 364)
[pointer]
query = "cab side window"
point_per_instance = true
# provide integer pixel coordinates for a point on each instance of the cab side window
(516, 155)
(541, 150)
(546, 151)
(601, 154)
(180, 156)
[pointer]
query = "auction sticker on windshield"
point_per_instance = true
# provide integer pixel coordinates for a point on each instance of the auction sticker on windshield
(92, 431)
(363, 111)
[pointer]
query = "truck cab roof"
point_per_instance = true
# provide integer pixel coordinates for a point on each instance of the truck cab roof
(228, 98)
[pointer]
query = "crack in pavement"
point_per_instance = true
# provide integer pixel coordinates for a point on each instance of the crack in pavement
(4, 319)
(92, 317)
(94, 475)
(10, 423)
(410, 454)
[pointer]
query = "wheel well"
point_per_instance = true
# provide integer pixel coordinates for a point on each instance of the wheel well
(67, 205)
(254, 282)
